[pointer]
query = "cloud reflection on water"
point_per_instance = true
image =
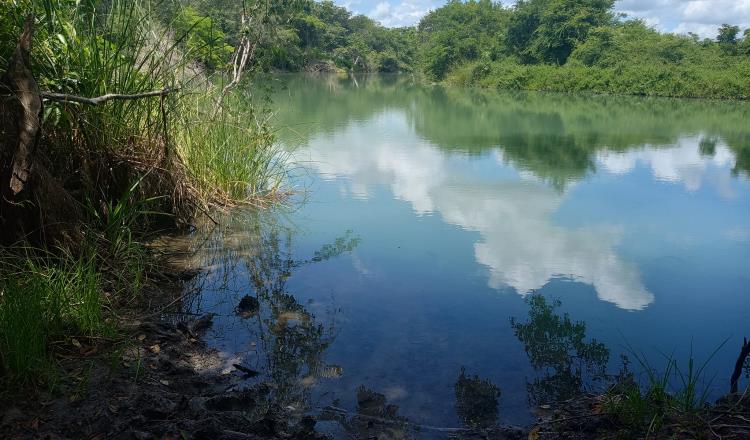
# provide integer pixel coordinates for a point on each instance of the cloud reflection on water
(520, 243)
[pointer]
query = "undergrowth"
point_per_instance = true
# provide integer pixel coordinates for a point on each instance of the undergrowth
(130, 168)
(676, 394)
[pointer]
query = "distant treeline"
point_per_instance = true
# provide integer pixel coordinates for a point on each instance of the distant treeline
(550, 45)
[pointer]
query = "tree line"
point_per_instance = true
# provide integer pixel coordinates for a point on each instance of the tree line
(556, 45)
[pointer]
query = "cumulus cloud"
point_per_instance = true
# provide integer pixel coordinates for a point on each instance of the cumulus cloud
(702, 17)
(402, 13)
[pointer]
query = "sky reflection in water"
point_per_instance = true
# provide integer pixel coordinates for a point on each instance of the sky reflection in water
(433, 213)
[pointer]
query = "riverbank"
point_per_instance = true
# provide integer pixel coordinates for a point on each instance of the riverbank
(155, 380)
(669, 81)
(110, 134)
(159, 380)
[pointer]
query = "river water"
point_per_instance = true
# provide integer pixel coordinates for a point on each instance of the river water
(469, 255)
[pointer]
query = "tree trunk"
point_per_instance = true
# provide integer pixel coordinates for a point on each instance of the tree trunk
(34, 207)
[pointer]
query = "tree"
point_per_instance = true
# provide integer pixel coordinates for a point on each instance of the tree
(744, 45)
(727, 38)
(728, 34)
(461, 31)
(549, 30)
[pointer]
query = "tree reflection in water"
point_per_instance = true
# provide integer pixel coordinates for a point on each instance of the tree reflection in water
(476, 401)
(557, 349)
(375, 418)
(291, 340)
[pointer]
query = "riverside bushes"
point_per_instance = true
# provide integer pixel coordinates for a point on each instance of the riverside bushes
(578, 46)
(120, 170)
(641, 80)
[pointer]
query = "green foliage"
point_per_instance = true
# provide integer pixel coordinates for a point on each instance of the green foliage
(306, 33)
(129, 162)
(460, 32)
(728, 35)
(643, 409)
(204, 41)
(45, 299)
(549, 30)
(578, 46)
(233, 157)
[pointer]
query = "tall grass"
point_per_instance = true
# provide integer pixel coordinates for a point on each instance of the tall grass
(44, 299)
(673, 391)
(233, 157)
(128, 164)
(195, 155)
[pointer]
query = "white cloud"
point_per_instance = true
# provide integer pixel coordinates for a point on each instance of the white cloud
(702, 17)
(402, 13)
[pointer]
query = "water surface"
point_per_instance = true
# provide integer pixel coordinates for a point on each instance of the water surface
(433, 215)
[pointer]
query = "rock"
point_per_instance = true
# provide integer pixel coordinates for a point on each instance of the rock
(234, 402)
(203, 323)
(248, 306)
(247, 372)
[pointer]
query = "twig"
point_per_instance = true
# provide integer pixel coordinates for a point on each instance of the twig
(200, 208)
(734, 405)
(566, 419)
(744, 353)
(62, 97)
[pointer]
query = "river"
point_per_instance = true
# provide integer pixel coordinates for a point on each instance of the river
(429, 219)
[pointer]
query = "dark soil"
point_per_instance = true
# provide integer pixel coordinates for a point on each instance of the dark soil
(164, 384)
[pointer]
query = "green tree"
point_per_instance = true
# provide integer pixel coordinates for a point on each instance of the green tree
(461, 31)
(744, 46)
(204, 40)
(727, 38)
(549, 30)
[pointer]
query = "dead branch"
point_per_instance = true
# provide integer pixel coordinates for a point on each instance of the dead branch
(744, 353)
(62, 97)
(244, 52)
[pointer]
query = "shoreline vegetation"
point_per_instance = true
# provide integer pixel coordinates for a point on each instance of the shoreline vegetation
(569, 46)
(87, 184)
(88, 181)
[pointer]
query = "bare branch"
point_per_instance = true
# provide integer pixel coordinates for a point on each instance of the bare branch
(61, 97)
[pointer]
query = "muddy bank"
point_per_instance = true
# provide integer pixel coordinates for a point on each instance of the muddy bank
(161, 383)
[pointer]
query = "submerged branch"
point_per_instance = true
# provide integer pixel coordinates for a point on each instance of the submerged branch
(61, 97)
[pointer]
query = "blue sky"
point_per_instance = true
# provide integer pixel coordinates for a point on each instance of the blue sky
(700, 16)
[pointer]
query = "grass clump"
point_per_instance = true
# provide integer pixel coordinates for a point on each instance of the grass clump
(674, 395)
(42, 301)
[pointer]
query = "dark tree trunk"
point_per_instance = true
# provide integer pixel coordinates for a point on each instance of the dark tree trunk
(34, 207)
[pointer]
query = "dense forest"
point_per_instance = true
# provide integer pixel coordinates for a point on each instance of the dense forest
(548, 45)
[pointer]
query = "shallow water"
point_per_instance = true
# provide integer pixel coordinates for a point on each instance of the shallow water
(434, 214)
